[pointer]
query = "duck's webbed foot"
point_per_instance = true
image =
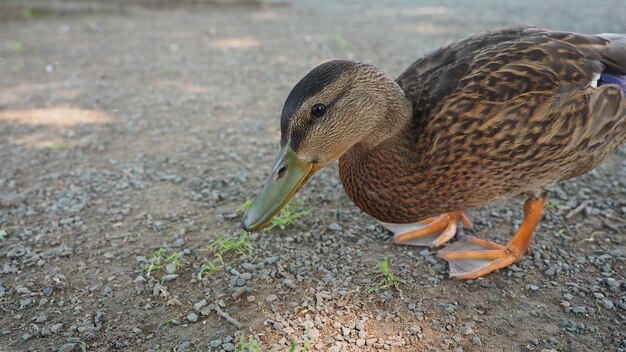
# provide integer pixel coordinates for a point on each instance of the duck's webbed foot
(472, 257)
(432, 232)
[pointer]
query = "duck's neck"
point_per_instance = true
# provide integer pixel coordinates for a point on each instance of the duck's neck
(398, 116)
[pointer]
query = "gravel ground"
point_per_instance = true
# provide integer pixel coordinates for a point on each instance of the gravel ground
(127, 129)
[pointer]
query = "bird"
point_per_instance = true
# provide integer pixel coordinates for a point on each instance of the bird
(500, 114)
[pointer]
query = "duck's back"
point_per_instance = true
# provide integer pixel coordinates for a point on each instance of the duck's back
(498, 66)
(500, 114)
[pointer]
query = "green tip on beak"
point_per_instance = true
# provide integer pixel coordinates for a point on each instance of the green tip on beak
(289, 174)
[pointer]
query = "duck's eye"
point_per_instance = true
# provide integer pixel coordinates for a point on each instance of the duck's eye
(318, 110)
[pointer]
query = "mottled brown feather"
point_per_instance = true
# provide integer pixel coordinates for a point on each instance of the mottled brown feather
(496, 115)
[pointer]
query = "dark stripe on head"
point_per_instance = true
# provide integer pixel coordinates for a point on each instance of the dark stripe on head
(299, 131)
(311, 84)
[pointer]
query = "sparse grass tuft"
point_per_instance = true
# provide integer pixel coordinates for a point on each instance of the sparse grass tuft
(242, 208)
(18, 47)
(387, 279)
(80, 343)
(221, 247)
(57, 147)
(66, 145)
(304, 348)
(552, 204)
(159, 260)
(19, 65)
(169, 71)
(248, 345)
(288, 216)
(251, 345)
(209, 268)
(306, 343)
(168, 322)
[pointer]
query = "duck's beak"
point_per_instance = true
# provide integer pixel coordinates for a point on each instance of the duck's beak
(289, 174)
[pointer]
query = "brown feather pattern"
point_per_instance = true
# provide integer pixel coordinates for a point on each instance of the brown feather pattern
(496, 115)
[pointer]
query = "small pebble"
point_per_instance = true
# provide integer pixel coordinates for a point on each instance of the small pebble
(228, 346)
(68, 347)
(335, 227)
(22, 290)
(55, 328)
(169, 277)
(198, 305)
(314, 333)
(215, 343)
(607, 304)
(239, 292)
(568, 296)
(42, 318)
(476, 341)
(289, 283)
(248, 266)
(25, 302)
(183, 345)
(192, 317)
(360, 325)
(466, 330)
(170, 268)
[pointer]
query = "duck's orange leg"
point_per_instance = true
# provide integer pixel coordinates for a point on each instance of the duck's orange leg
(432, 232)
(472, 257)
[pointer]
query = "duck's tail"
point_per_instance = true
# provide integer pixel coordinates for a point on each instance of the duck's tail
(614, 53)
(613, 57)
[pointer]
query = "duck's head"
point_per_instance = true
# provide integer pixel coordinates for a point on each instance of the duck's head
(338, 105)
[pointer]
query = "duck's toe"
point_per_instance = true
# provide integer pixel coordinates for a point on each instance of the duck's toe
(432, 232)
(472, 257)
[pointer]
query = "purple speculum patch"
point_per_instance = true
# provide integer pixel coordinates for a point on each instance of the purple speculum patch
(610, 78)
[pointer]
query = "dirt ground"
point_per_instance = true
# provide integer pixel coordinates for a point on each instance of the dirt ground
(127, 127)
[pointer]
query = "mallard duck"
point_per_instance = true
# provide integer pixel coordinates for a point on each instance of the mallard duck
(500, 114)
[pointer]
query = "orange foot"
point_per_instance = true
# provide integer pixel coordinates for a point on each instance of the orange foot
(432, 232)
(472, 257)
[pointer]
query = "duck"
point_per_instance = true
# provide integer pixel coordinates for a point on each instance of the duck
(500, 114)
